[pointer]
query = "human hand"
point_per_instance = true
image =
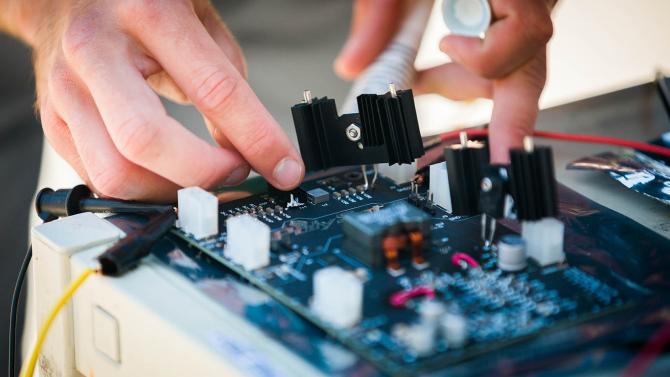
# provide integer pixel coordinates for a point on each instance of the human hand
(508, 65)
(96, 65)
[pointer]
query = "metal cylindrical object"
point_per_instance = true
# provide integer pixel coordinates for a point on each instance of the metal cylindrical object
(512, 254)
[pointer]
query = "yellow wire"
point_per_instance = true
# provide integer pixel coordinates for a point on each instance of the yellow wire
(44, 330)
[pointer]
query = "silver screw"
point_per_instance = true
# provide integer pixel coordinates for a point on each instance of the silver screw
(353, 132)
(487, 184)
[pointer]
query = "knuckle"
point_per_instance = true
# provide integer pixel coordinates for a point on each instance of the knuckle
(148, 13)
(134, 138)
(79, 37)
(110, 181)
(257, 141)
(61, 78)
(215, 90)
(482, 69)
(546, 31)
(144, 10)
(541, 29)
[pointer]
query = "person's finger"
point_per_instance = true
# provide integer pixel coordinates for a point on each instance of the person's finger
(222, 35)
(163, 84)
(521, 30)
(60, 138)
(136, 120)
(199, 66)
(515, 108)
(110, 174)
(452, 81)
(217, 135)
(373, 24)
(161, 81)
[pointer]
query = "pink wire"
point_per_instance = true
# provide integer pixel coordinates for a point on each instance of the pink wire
(458, 257)
(399, 299)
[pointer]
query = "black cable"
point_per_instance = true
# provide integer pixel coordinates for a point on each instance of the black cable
(13, 313)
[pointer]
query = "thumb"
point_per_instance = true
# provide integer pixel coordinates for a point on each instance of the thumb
(374, 23)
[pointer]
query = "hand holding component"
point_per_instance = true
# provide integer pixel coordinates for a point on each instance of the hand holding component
(512, 56)
(508, 65)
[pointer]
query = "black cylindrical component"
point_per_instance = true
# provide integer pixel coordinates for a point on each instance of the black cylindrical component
(130, 250)
(465, 167)
(533, 183)
(52, 204)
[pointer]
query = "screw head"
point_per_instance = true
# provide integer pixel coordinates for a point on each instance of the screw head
(487, 184)
(353, 132)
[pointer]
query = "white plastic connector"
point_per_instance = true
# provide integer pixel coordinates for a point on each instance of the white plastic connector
(544, 240)
(439, 186)
(338, 296)
(248, 242)
(399, 174)
(198, 212)
(455, 329)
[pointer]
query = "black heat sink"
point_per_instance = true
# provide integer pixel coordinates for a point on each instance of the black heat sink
(533, 183)
(389, 131)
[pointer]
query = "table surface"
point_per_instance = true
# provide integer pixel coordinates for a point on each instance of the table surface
(635, 114)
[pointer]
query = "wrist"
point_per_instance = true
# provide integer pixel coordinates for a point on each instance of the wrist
(23, 19)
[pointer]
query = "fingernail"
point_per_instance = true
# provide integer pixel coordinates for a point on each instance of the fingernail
(237, 176)
(288, 172)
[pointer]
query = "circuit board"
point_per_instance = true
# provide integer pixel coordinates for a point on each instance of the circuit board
(500, 307)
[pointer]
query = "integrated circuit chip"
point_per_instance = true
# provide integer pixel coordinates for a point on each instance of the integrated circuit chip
(318, 196)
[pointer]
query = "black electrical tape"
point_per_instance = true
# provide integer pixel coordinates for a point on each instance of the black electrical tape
(130, 250)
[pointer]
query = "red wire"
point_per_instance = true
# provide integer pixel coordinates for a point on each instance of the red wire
(458, 257)
(399, 299)
(642, 361)
(591, 139)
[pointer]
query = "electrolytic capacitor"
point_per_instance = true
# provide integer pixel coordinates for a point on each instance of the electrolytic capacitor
(512, 253)
(465, 166)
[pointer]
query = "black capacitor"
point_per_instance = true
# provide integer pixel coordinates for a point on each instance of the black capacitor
(533, 183)
(465, 168)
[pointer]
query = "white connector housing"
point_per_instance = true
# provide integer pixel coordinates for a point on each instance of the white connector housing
(338, 296)
(198, 212)
(399, 173)
(439, 186)
(247, 242)
(544, 240)
(455, 329)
